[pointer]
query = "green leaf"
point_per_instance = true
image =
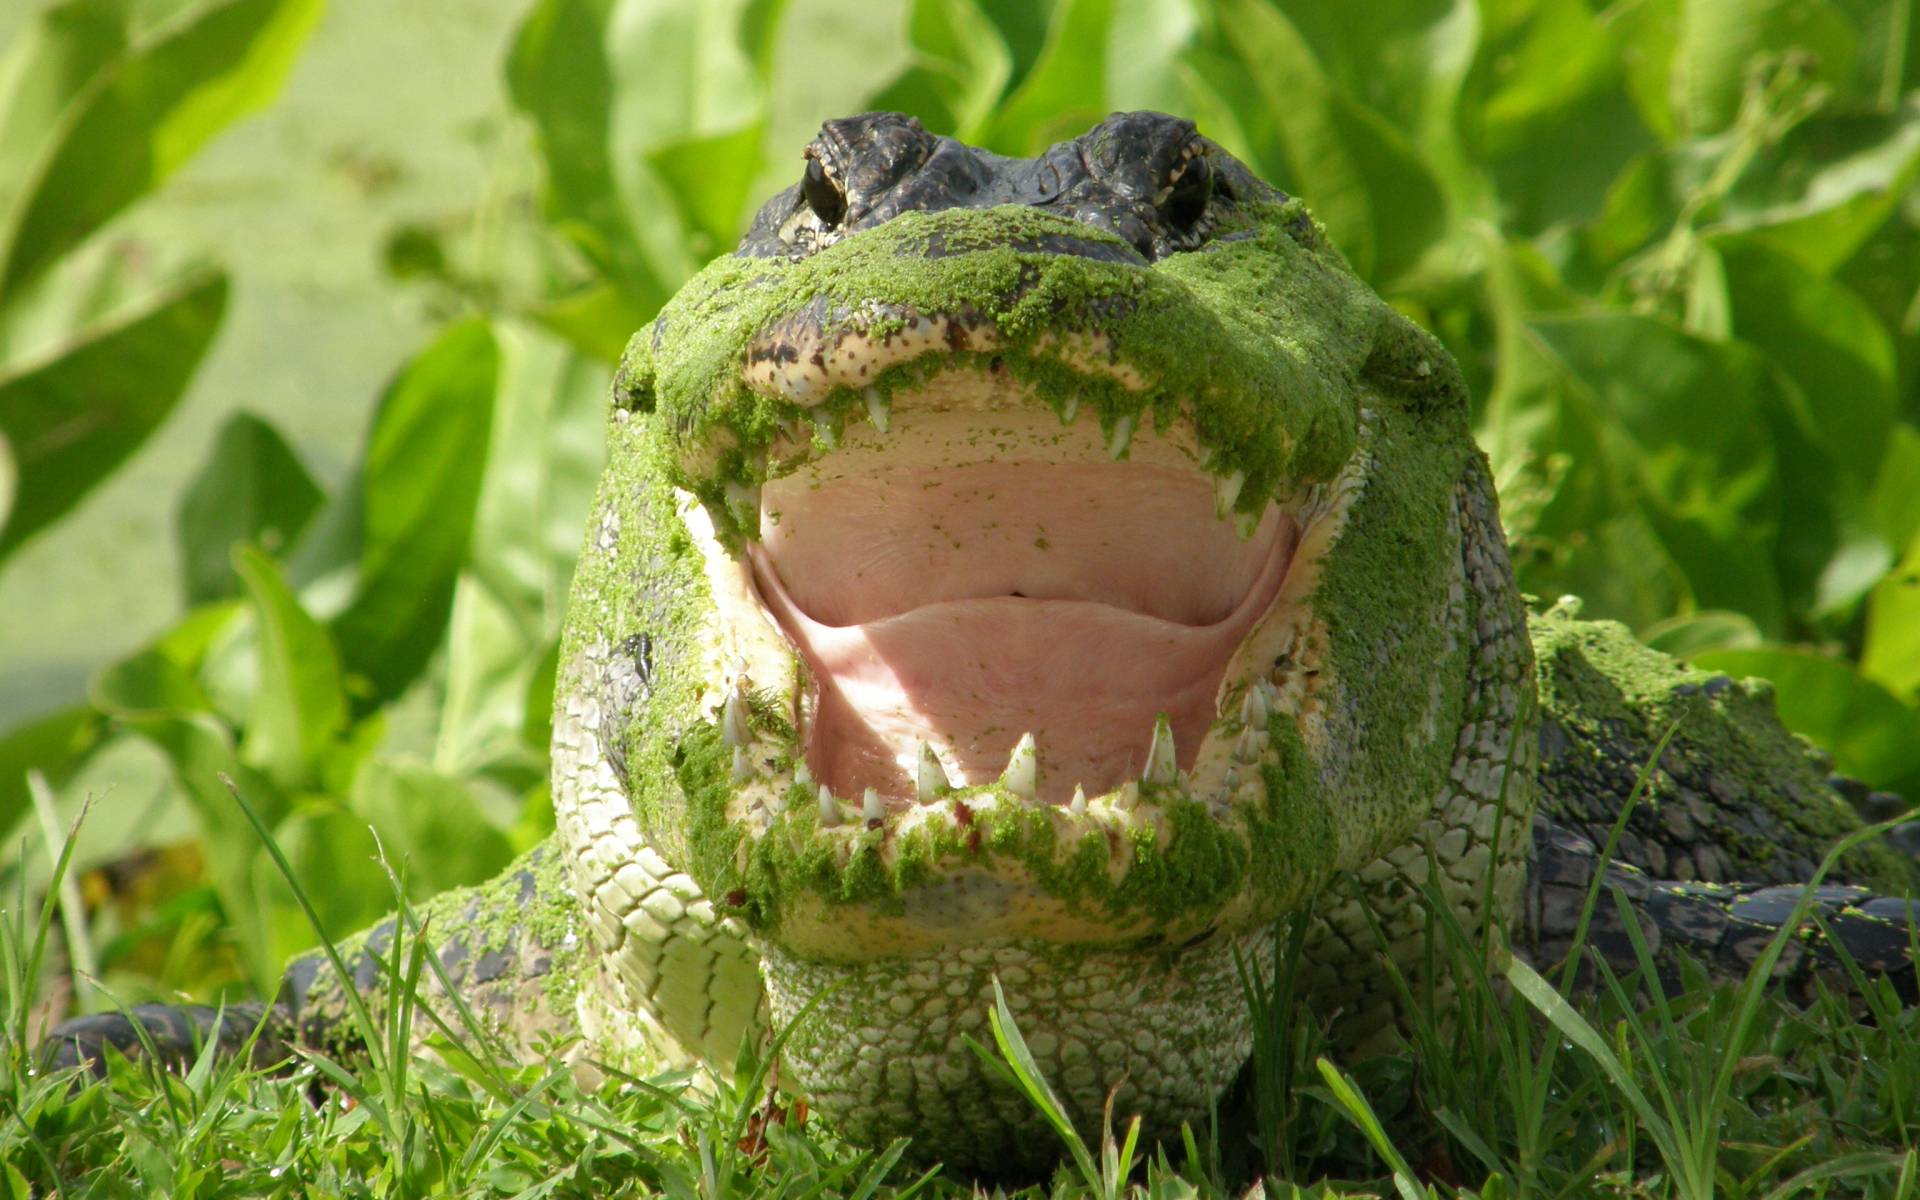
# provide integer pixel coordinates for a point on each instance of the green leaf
(1721, 41)
(1697, 633)
(54, 744)
(252, 489)
(1871, 734)
(960, 67)
(1823, 190)
(300, 709)
(1379, 202)
(1826, 338)
(336, 858)
(433, 821)
(1891, 653)
(1064, 93)
(419, 481)
(70, 421)
(47, 65)
(1682, 418)
(145, 115)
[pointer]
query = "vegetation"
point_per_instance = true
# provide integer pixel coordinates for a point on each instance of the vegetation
(1675, 244)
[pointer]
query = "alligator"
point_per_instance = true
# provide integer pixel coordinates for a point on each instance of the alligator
(1047, 574)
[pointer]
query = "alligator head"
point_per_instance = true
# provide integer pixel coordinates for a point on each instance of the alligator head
(1049, 569)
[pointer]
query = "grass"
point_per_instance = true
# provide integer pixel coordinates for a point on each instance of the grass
(1714, 1088)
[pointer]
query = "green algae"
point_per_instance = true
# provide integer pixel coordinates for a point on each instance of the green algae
(1257, 340)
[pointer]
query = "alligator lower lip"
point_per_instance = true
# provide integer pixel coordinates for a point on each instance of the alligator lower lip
(963, 581)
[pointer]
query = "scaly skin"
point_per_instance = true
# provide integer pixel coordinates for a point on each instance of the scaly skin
(1386, 713)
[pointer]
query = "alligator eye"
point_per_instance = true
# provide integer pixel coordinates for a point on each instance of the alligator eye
(823, 196)
(1189, 191)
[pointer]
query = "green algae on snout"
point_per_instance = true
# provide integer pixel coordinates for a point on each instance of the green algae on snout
(1257, 339)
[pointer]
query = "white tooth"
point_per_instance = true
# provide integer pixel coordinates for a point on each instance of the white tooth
(1246, 748)
(1078, 805)
(879, 411)
(734, 727)
(1246, 524)
(1128, 796)
(1254, 710)
(829, 807)
(1160, 767)
(870, 809)
(930, 778)
(1069, 409)
(742, 765)
(1226, 490)
(1022, 768)
(1122, 435)
(801, 775)
(1231, 779)
(826, 431)
(743, 500)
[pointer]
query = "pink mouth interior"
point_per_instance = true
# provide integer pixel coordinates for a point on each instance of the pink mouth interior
(964, 605)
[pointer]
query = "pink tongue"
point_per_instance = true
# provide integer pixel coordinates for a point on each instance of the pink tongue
(971, 676)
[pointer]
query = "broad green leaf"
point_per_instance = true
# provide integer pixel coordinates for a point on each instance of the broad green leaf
(336, 858)
(1346, 159)
(1871, 734)
(299, 709)
(1064, 93)
(1684, 637)
(711, 179)
(1824, 189)
(543, 464)
(70, 421)
(597, 319)
(47, 65)
(960, 67)
(1722, 42)
(1685, 418)
(558, 74)
(54, 744)
(145, 115)
(431, 821)
(253, 488)
(419, 481)
(1891, 654)
(1823, 336)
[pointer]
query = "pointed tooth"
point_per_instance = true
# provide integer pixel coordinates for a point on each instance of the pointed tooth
(870, 808)
(1246, 748)
(1226, 491)
(879, 410)
(743, 501)
(1078, 805)
(1023, 768)
(1069, 409)
(1121, 437)
(1128, 796)
(742, 765)
(829, 807)
(1246, 524)
(1231, 779)
(1161, 767)
(930, 778)
(826, 431)
(1254, 707)
(735, 729)
(802, 775)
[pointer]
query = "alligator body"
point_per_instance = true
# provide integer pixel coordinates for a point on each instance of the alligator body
(1053, 571)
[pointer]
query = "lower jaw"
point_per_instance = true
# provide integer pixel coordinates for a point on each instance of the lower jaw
(883, 1050)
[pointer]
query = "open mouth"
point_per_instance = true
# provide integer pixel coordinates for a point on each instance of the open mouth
(992, 593)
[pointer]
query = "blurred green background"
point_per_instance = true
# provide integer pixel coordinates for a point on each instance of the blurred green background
(306, 312)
